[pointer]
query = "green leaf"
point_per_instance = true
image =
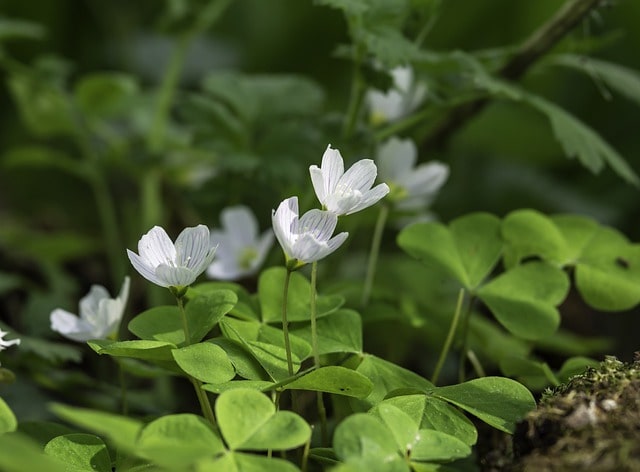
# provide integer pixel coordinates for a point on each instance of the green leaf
(624, 80)
(468, 250)
(580, 141)
(533, 234)
(245, 363)
(20, 454)
(436, 414)
(431, 445)
(205, 311)
(11, 28)
(387, 377)
(105, 94)
(258, 385)
(402, 427)
(576, 138)
(80, 452)
(497, 401)
(270, 292)
(334, 379)
(161, 323)
(266, 344)
(523, 299)
(608, 273)
(349, 7)
(340, 331)
(43, 157)
(238, 462)
(149, 350)
(121, 430)
(175, 441)
(164, 323)
(8, 420)
(205, 362)
(246, 308)
(362, 435)
(577, 232)
(249, 420)
(43, 108)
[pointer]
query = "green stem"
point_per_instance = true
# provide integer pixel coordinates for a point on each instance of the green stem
(314, 309)
(450, 336)
(373, 255)
(475, 362)
(322, 412)
(285, 322)
(203, 399)
(124, 404)
(465, 335)
(156, 137)
(151, 193)
(109, 222)
(356, 95)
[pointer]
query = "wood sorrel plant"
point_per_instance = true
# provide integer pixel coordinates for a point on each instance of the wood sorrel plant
(467, 299)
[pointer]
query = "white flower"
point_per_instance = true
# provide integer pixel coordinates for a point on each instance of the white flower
(413, 188)
(169, 265)
(344, 193)
(5, 344)
(240, 250)
(307, 239)
(403, 97)
(99, 317)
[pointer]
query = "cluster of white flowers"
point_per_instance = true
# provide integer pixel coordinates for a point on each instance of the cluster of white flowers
(309, 238)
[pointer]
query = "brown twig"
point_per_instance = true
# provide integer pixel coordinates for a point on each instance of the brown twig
(538, 44)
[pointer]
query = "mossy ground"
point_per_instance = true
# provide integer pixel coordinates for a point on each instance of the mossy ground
(591, 423)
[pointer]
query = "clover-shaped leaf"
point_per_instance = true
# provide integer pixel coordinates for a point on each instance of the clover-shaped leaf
(248, 420)
(334, 379)
(497, 401)
(270, 293)
(524, 299)
(607, 266)
(8, 420)
(123, 431)
(203, 312)
(340, 331)
(205, 362)
(138, 349)
(80, 452)
(467, 250)
(177, 440)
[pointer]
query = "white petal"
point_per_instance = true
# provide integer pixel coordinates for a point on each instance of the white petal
(224, 269)
(176, 276)
(360, 176)
(283, 220)
(427, 179)
(371, 198)
(317, 179)
(264, 244)
(70, 326)
(144, 269)
(320, 224)
(156, 247)
(332, 169)
(90, 303)
(192, 247)
(396, 158)
(240, 224)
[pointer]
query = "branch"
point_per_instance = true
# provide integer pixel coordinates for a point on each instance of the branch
(537, 45)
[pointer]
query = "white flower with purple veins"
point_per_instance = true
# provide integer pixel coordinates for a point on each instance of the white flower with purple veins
(306, 239)
(344, 193)
(173, 265)
(412, 188)
(402, 98)
(241, 250)
(4, 343)
(99, 317)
